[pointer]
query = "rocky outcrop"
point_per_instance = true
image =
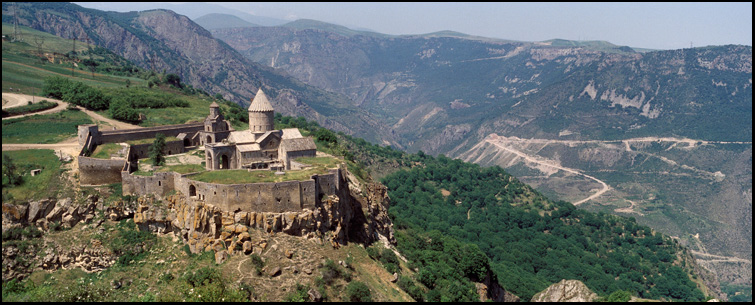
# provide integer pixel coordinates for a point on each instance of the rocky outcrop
(490, 290)
(50, 214)
(347, 216)
(566, 291)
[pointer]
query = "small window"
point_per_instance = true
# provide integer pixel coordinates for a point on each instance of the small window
(159, 183)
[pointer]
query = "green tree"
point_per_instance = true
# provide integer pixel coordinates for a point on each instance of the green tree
(120, 109)
(10, 172)
(619, 296)
(156, 150)
(173, 79)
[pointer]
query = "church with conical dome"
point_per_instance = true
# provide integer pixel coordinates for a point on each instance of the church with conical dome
(259, 147)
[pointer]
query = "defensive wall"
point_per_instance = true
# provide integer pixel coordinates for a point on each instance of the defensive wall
(274, 197)
(100, 171)
(114, 136)
(141, 151)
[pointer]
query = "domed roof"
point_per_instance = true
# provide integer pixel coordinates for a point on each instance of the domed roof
(214, 105)
(260, 103)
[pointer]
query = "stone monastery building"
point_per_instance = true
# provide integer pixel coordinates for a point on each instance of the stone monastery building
(260, 147)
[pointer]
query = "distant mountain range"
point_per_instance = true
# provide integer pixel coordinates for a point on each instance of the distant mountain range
(446, 92)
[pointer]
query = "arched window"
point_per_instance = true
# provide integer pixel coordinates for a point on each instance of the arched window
(192, 191)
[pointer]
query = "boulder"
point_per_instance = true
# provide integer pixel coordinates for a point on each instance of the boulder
(221, 256)
(247, 247)
(39, 209)
(274, 271)
(314, 295)
(241, 218)
(57, 212)
(14, 213)
(240, 229)
(395, 278)
(218, 245)
(566, 291)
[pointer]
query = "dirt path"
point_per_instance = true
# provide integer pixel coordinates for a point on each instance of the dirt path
(549, 163)
(17, 99)
(99, 119)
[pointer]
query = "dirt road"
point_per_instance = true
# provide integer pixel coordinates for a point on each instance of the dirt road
(16, 98)
(493, 140)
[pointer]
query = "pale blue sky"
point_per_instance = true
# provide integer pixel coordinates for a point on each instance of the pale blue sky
(643, 25)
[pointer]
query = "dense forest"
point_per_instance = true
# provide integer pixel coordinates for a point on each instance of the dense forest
(533, 242)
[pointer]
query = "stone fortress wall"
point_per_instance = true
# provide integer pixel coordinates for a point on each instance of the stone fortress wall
(273, 197)
(99, 171)
(141, 151)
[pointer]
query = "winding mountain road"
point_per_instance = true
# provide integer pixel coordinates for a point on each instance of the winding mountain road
(492, 139)
(18, 99)
(499, 142)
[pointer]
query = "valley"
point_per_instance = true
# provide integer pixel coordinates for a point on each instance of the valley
(616, 176)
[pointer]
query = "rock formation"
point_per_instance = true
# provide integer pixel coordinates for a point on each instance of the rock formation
(566, 291)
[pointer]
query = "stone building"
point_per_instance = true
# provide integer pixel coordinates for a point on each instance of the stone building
(216, 128)
(260, 147)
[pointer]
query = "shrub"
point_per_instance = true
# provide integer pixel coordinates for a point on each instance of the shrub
(131, 243)
(406, 284)
(257, 262)
(358, 292)
(203, 276)
(298, 295)
(619, 296)
(332, 271)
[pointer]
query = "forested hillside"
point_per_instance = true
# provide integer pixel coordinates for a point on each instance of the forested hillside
(533, 242)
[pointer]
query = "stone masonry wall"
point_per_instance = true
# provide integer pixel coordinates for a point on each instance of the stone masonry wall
(99, 171)
(159, 184)
(114, 136)
(141, 151)
(275, 197)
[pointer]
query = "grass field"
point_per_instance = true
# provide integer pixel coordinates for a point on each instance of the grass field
(45, 184)
(24, 69)
(44, 129)
(105, 150)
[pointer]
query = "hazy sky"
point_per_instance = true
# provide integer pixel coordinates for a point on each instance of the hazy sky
(643, 25)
